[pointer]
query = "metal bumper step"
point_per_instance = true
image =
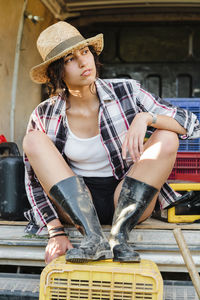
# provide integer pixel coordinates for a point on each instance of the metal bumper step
(19, 286)
(179, 290)
(153, 239)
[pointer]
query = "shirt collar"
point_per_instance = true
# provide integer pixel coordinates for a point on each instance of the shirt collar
(104, 91)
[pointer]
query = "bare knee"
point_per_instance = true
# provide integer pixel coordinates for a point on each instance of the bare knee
(169, 142)
(32, 142)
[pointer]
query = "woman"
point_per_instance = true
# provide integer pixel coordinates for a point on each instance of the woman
(84, 149)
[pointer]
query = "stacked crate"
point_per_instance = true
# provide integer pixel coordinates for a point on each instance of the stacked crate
(187, 165)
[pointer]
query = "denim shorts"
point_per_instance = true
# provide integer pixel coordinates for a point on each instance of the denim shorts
(102, 190)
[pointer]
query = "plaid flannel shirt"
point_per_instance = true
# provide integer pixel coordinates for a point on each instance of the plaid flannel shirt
(120, 100)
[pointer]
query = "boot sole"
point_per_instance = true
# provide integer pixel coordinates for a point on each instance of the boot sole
(101, 256)
(128, 260)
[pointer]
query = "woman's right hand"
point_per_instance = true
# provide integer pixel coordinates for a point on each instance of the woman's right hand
(56, 247)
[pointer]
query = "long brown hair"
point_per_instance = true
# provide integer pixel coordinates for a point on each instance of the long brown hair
(55, 73)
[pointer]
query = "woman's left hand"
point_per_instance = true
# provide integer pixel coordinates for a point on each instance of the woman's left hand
(56, 247)
(135, 136)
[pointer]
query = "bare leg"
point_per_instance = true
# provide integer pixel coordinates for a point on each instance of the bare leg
(47, 162)
(155, 164)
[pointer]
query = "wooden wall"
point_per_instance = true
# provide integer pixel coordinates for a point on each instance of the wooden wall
(28, 93)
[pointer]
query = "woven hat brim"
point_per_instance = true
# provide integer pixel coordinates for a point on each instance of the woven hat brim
(38, 73)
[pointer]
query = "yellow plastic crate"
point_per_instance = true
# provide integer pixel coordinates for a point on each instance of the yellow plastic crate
(101, 280)
(172, 215)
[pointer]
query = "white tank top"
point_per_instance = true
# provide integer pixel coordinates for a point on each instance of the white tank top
(87, 156)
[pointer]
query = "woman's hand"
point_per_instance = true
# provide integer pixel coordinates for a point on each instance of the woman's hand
(135, 136)
(56, 247)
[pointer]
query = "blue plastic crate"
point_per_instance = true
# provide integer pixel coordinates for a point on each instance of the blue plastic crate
(192, 104)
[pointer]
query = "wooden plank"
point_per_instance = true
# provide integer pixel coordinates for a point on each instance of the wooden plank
(14, 223)
(156, 224)
(148, 224)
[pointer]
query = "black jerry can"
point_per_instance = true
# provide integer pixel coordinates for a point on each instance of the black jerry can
(13, 199)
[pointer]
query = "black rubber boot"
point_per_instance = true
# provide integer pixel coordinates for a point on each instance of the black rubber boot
(134, 198)
(71, 196)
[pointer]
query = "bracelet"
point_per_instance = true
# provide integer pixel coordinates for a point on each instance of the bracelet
(58, 234)
(56, 229)
(154, 116)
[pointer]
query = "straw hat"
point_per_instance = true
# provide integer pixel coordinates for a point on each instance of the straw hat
(57, 41)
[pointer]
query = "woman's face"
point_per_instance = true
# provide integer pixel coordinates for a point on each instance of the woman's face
(80, 69)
